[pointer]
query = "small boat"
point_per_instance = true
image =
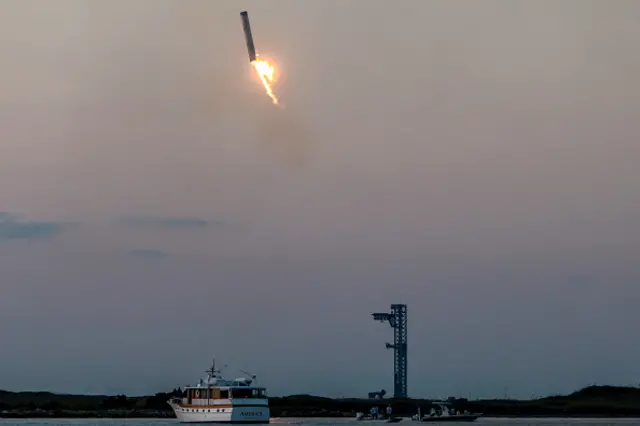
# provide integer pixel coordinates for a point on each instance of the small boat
(360, 417)
(375, 417)
(446, 414)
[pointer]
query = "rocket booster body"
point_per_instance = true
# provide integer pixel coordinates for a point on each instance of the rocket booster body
(247, 35)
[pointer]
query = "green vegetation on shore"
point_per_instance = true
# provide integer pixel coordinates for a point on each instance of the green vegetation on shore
(609, 401)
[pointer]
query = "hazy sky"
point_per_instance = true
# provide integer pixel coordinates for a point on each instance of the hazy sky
(476, 160)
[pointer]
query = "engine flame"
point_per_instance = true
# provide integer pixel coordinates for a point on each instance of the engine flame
(266, 71)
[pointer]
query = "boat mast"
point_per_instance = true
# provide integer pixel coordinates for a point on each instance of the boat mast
(212, 372)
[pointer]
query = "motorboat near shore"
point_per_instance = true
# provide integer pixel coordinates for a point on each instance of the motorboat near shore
(376, 417)
(361, 417)
(216, 400)
(443, 413)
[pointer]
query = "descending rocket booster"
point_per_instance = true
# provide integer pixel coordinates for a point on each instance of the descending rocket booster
(264, 69)
(247, 35)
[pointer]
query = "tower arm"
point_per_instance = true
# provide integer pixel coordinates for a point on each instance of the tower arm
(381, 316)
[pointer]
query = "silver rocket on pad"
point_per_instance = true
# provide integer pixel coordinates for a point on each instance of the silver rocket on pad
(247, 35)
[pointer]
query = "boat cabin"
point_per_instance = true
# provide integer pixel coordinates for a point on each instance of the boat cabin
(214, 388)
(216, 392)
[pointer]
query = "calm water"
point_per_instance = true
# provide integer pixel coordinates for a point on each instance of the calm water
(328, 422)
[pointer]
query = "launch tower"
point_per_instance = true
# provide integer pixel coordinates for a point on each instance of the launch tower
(397, 319)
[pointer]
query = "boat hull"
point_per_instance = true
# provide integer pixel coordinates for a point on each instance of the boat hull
(229, 415)
(381, 420)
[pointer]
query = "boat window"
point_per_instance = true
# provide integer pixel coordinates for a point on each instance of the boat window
(224, 393)
(258, 393)
(243, 393)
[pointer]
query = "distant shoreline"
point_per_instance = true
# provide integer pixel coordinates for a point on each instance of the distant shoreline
(595, 402)
(170, 416)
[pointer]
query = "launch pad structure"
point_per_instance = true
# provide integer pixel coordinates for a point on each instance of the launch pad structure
(397, 319)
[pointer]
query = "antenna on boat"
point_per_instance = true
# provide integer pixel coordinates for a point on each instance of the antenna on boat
(253, 376)
(212, 370)
(212, 373)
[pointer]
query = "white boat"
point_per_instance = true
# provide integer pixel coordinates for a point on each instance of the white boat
(445, 414)
(216, 400)
(375, 416)
(361, 417)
